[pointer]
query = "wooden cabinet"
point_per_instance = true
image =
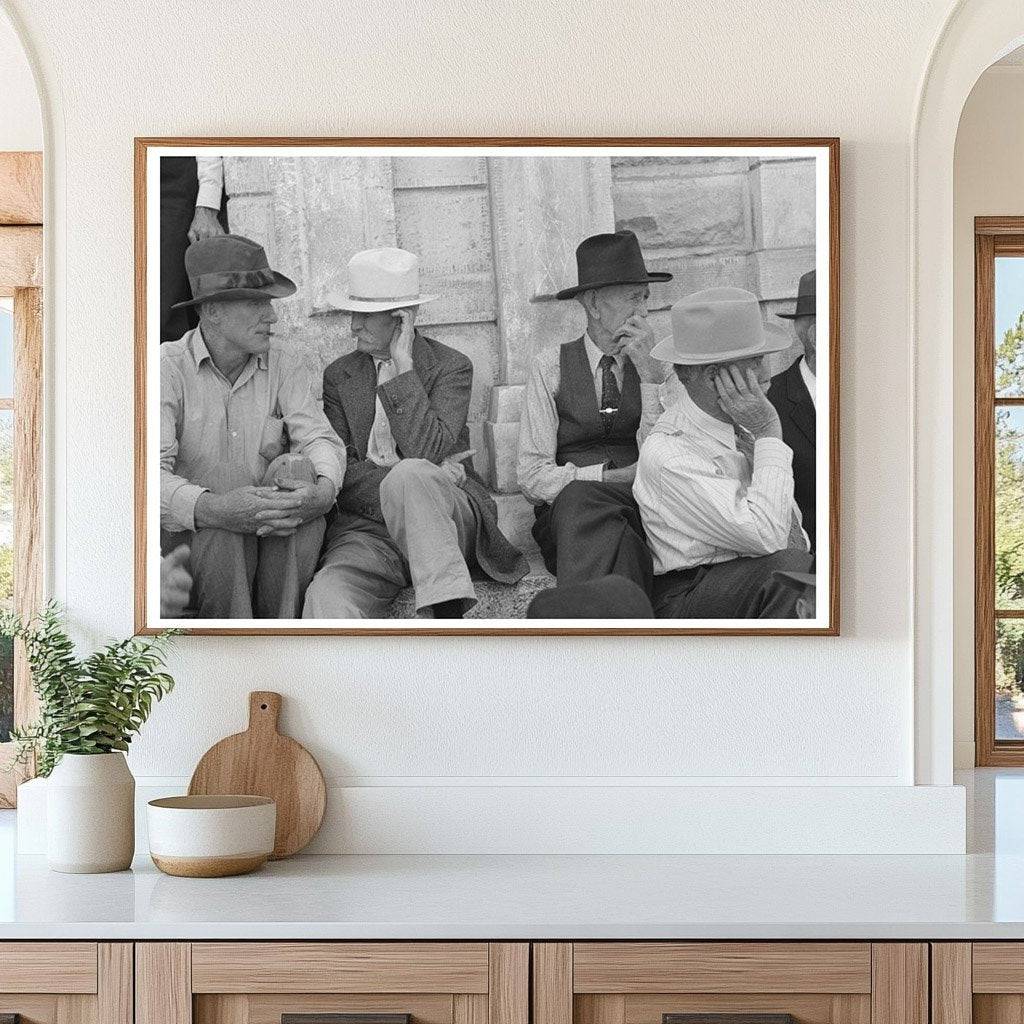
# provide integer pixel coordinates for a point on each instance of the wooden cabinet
(66, 982)
(815, 982)
(979, 982)
(493, 983)
(259, 982)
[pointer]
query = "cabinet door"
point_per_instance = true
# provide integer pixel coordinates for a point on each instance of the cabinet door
(66, 982)
(306, 982)
(737, 982)
(980, 982)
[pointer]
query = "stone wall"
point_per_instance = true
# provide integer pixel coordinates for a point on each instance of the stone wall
(497, 237)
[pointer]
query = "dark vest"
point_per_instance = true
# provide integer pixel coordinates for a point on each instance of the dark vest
(583, 438)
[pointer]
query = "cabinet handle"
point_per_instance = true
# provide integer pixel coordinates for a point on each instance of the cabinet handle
(337, 1018)
(728, 1018)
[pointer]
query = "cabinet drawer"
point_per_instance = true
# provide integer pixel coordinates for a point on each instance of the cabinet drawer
(736, 982)
(340, 967)
(261, 982)
(48, 967)
(634, 967)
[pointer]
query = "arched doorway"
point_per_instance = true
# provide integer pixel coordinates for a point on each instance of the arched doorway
(975, 35)
(21, 214)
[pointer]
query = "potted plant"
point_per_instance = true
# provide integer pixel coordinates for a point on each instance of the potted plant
(89, 709)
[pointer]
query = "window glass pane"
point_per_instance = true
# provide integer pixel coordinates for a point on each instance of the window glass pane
(1009, 323)
(1009, 679)
(1009, 525)
(6, 348)
(6, 567)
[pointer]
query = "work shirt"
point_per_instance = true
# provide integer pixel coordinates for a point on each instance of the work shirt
(702, 500)
(216, 436)
(540, 477)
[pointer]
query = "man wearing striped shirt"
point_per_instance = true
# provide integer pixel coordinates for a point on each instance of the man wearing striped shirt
(714, 482)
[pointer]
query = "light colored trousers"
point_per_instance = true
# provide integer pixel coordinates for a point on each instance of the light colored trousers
(428, 539)
(242, 576)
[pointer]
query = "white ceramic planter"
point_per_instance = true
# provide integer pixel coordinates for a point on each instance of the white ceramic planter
(90, 814)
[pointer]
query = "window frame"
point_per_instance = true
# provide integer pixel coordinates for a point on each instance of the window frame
(21, 256)
(993, 237)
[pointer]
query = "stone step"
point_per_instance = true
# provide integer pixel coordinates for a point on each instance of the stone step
(494, 600)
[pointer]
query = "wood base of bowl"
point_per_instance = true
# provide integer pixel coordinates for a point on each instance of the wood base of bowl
(210, 867)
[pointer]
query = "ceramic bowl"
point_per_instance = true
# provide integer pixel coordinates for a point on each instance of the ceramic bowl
(211, 836)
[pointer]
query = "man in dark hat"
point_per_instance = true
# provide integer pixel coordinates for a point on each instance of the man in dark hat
(588, 405)
(249, 464)
(793, 393)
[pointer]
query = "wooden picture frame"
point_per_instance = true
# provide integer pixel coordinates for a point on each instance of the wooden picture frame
(21, 263)
(826, 150)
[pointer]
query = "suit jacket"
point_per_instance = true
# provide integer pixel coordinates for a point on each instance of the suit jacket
(427, 409)
(788, 393)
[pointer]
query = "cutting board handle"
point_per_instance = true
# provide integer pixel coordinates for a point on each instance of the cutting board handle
(264, 710)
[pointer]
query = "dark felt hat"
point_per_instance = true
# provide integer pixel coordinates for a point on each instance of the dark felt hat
(225, 267)
(805, 297)
(604, 260)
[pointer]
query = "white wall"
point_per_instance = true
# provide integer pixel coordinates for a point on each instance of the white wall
(21, 125)
(988, 181)
(446, 713)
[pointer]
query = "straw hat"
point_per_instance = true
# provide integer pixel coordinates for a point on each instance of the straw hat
(719, 325)
(379, 280)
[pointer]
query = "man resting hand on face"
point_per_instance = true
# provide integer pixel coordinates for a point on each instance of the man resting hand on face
(588, 405)
(714, 481)
(411, 511)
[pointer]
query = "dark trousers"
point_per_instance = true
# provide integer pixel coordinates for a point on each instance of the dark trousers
(592, 530)
(743, 588)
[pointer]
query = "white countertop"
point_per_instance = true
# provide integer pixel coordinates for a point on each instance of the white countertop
(532, 897)
(977, 896)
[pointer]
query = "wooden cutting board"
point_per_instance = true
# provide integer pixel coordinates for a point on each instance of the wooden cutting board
(262, 762)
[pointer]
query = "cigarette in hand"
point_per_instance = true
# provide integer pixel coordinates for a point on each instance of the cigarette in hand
(461, 456)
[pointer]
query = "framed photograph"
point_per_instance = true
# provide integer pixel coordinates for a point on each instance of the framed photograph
(487, 386)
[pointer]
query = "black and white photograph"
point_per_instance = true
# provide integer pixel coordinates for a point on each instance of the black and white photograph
(451, 386)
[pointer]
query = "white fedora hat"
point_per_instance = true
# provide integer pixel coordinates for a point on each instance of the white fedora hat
(719, 325)
(380, 279)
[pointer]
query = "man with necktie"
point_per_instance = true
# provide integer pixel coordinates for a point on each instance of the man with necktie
(587, 407)
(715, 478)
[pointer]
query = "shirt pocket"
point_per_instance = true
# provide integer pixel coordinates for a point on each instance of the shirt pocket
(273, 438)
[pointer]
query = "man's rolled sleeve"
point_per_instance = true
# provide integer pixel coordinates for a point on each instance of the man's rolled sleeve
(178, 496)
(650, 410)
(180, 505)
(328, 462)
(772, 453)
(210, 172)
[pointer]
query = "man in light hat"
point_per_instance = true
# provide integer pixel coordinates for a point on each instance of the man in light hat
(715, 479)
(794, 394)
(410, 510)
(249, 464)
(587, 407)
